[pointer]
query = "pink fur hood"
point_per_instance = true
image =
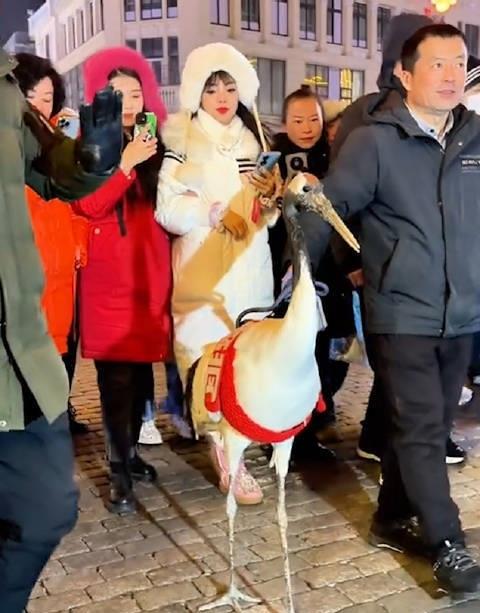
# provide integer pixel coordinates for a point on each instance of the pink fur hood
(98, 66)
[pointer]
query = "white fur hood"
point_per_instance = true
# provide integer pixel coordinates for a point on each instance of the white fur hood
(205, 60)
(175, 130)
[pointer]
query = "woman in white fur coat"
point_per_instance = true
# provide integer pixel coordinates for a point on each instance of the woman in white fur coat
(206, 197)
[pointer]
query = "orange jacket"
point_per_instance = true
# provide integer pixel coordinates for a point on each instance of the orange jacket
(61, 238)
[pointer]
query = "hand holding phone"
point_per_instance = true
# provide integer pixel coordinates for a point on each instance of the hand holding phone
(262, 178)
(137, 151)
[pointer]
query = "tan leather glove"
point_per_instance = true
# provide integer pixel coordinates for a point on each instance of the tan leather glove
(235, 224)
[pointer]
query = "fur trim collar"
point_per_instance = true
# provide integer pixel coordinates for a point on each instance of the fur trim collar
(175, 132)
(203, 61)
(185, 135)
(226, 137)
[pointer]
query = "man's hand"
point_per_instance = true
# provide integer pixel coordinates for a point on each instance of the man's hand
(356, 278)
(100, 147)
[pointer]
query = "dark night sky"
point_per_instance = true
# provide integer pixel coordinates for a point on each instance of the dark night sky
(13, 16)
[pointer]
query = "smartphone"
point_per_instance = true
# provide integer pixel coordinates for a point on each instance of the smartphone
(145, 122)
(70, 126)
(268, 159)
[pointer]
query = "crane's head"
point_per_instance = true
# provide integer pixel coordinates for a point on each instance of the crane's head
(294, 198)
(305, 193)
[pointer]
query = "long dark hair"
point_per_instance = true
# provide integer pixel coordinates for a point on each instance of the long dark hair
(147, 172)
(31, 69)
(245, 115)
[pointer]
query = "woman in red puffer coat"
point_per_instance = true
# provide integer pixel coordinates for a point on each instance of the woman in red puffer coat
(125, 287)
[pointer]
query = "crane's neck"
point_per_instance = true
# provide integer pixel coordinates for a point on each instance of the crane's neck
(300, 324)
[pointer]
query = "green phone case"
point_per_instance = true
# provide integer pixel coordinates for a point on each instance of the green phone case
(148, 120)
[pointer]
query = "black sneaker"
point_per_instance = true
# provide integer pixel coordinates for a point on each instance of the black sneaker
(369, 445)
(455, 453)
(141, 470)
(401, 535)
(368, 453)
(456, 570)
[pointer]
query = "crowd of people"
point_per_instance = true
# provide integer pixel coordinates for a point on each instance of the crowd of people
(157, 239)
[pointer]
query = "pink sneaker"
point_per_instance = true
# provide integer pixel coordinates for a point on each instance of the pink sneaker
(247, 491)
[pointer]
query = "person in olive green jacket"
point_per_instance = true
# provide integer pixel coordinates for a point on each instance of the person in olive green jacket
(38, 499)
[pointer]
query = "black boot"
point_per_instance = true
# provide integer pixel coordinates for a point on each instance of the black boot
(141, 470)
(122, 501)
(307, 448)
(75, 426)
(456, 570)
(402, 535)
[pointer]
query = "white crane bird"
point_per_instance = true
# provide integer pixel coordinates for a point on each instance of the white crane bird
(265, 376)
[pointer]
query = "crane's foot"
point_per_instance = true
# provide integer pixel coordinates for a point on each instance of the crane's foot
(232, 598)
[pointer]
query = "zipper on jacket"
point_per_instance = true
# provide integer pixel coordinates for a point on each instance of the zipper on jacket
(3, 335)
(3, 331)
(442, 213)
(3, 315)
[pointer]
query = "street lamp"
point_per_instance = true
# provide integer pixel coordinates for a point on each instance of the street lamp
(442, 6)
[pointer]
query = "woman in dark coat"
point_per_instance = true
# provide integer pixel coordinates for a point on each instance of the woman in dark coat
(304, 147)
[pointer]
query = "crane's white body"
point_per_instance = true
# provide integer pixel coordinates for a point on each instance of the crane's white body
(276, 375)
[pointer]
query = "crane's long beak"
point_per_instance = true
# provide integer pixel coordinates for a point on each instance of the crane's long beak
(324, 207)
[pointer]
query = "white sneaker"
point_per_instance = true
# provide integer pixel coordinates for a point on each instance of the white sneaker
(150, 434)
(476, 380)
(465, 396)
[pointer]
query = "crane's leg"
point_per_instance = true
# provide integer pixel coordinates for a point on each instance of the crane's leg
(234, 446)
(280, 459)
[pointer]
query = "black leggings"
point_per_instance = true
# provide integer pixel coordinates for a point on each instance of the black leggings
(124, 389)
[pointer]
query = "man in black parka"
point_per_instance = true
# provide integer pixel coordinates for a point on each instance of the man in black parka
(413, 176)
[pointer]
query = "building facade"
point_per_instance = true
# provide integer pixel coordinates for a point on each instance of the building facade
(335, 45)
(19, 42)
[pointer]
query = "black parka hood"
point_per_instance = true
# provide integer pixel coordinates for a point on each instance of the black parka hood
(399, 30)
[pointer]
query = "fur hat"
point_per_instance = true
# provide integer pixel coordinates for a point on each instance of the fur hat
(203, 61)
(98, 66)
(333, 109)
(473, 72)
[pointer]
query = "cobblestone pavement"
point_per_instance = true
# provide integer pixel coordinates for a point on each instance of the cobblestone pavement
(172, 556)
